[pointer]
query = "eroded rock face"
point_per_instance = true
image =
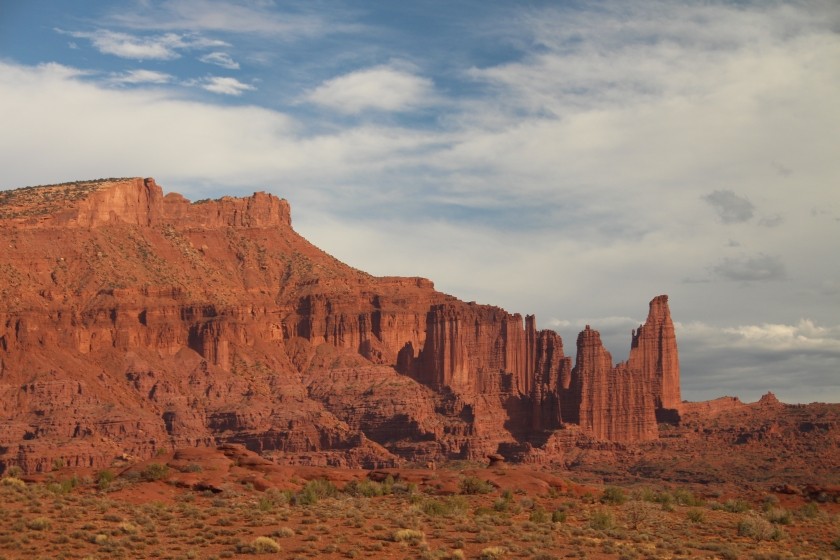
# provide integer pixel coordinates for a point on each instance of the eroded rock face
(133, 322)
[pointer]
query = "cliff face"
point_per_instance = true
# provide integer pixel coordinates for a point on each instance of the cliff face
(132, 321)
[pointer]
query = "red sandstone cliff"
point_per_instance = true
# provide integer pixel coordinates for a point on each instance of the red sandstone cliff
(132, 321)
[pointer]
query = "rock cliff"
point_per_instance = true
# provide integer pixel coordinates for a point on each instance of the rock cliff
(133, 322)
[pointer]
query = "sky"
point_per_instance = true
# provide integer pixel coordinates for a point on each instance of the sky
(566, 159)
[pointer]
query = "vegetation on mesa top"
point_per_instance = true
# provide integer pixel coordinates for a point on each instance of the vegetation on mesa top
(45, 199)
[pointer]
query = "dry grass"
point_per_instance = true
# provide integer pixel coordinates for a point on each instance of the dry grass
(320, 520)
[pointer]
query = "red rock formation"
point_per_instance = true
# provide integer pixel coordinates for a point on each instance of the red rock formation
(133, 322)
(654, 351)
(615, 403)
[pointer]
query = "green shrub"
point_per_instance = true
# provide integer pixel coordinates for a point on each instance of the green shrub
(685, 497)
(601, 520)
(736, 506)
(104, 478)
(365, 488)
(558, 516)
(155, 471)
(539, 515)
(810, 510)
(315, 490)
(696, 515)
(613, 495)
(473, 485)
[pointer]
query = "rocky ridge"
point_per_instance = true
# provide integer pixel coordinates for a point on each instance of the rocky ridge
(133, 322)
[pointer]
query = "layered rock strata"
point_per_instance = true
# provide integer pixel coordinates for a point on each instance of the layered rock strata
(133, 322)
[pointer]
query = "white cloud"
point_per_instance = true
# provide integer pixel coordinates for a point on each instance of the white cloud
(157, 47)
(799, 362)
(382, 88)
(142, 77)
(220, 59)
(225, 85)
(224, 16)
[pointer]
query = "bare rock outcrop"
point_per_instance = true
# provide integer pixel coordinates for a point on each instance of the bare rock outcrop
(133, 322)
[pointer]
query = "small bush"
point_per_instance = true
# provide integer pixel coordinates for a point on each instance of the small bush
(265, 545)
(13, 471)
(39, 524)
(155, 471)
(104, 478)
(411, 536)
(315, 490)
(758, 528)
(493, 553)
(686, 498)
(601, 520)
(365, 488)
(779, 516)
(14, 482)
(473, 485)
(810, 510)
(736, 506)
(453, 505)
(558, 516)
(613, 495)
(696, 515)
(538, 515)
(283, 532)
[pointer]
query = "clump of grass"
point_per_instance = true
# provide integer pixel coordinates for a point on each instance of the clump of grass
(613, 495)
(558, 516)
(473, 485)
(265, 545)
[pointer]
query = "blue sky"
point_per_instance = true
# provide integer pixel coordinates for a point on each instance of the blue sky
(568, 159)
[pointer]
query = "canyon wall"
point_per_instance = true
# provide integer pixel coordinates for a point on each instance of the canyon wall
(133, 321)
